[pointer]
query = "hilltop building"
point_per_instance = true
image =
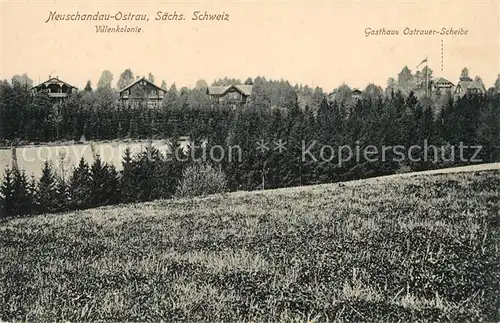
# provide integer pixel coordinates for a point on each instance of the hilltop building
(442, 85)
(468, 87)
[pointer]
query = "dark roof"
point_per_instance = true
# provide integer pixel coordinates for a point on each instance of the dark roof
(466, 85)
(54, 80)
(222, 89)
(442, 80)
(139, 80)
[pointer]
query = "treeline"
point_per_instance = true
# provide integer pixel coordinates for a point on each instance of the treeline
(97, 114)
(275, 113)
(146, 176)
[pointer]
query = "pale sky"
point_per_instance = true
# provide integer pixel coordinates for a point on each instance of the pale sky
(320, 43)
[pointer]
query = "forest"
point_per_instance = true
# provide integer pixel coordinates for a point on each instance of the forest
(276, 111)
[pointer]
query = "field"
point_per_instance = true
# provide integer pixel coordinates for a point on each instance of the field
(421, 248)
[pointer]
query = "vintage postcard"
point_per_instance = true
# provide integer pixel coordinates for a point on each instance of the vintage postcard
(249, 161)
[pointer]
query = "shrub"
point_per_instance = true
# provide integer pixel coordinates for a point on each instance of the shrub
(403, 169)
(201, 179)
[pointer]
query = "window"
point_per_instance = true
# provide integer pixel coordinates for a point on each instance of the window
(234, 95)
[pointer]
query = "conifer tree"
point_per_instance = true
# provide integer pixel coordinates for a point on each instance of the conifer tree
(62, 194)
(23, 200)
(98, 177)
(80, 186)
(128, 180)
(7, 194)
(46, 197)
(112, 192)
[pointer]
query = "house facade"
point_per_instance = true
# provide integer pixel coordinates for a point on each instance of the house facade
(234, 95)
(468, 87)
(55, 88)
(142, 92)
(442, 85)
(355, 94)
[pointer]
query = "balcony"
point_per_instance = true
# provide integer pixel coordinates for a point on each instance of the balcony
(58, 95)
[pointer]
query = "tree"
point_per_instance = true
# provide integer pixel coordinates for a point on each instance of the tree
(126, 78)
(260, 96)
(151, 78)
(7, 194)
(46, 198)
(23, 200)
(405, 79)
(343, 97)
(164, 85)
(391, 87)
(80, 186)
(426, 71)
(88, 87)
(128, 178)
(201, 85)
(479, 80)
(464, 75)
(152, 178)
(171, 98)
(497, 84)
(62, 194)
(22, 79)
(98, 178)
(317, 98)
(249, 81)
(202, 180)
(373, 92)
(105, 80)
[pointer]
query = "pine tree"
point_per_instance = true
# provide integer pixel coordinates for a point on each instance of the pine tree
(80, 186)
(111, 186)
(23, 200)
(62, 195)
(152, 175)
(33, 192)
(88, 87)
(7, 194)
(127, 181)
(46, 197)
(98, 177)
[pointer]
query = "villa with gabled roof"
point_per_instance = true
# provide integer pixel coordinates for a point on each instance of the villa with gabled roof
(234, 94)
(442, 85)
(55, 88)
(142, 91)
(469, 87)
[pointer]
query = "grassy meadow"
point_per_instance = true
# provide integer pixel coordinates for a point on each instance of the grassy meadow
(421, 248)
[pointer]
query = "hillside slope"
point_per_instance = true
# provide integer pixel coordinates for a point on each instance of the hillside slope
(372, 250)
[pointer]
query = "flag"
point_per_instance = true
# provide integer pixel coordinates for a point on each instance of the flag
(424, 61)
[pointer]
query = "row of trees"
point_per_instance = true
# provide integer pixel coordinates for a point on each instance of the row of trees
(96, 114)
(277, 112)
(147, 176)
(398, 120)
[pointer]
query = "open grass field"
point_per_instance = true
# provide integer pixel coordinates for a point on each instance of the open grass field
(420, 248)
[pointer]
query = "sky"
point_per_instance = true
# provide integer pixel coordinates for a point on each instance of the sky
(318, 43)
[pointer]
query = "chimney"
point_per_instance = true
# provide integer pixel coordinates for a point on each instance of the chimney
(50, 76)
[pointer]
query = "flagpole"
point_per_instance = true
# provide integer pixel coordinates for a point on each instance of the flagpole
(426, 77)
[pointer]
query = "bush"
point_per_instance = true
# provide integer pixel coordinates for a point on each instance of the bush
(403, 169)
(201, 179)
